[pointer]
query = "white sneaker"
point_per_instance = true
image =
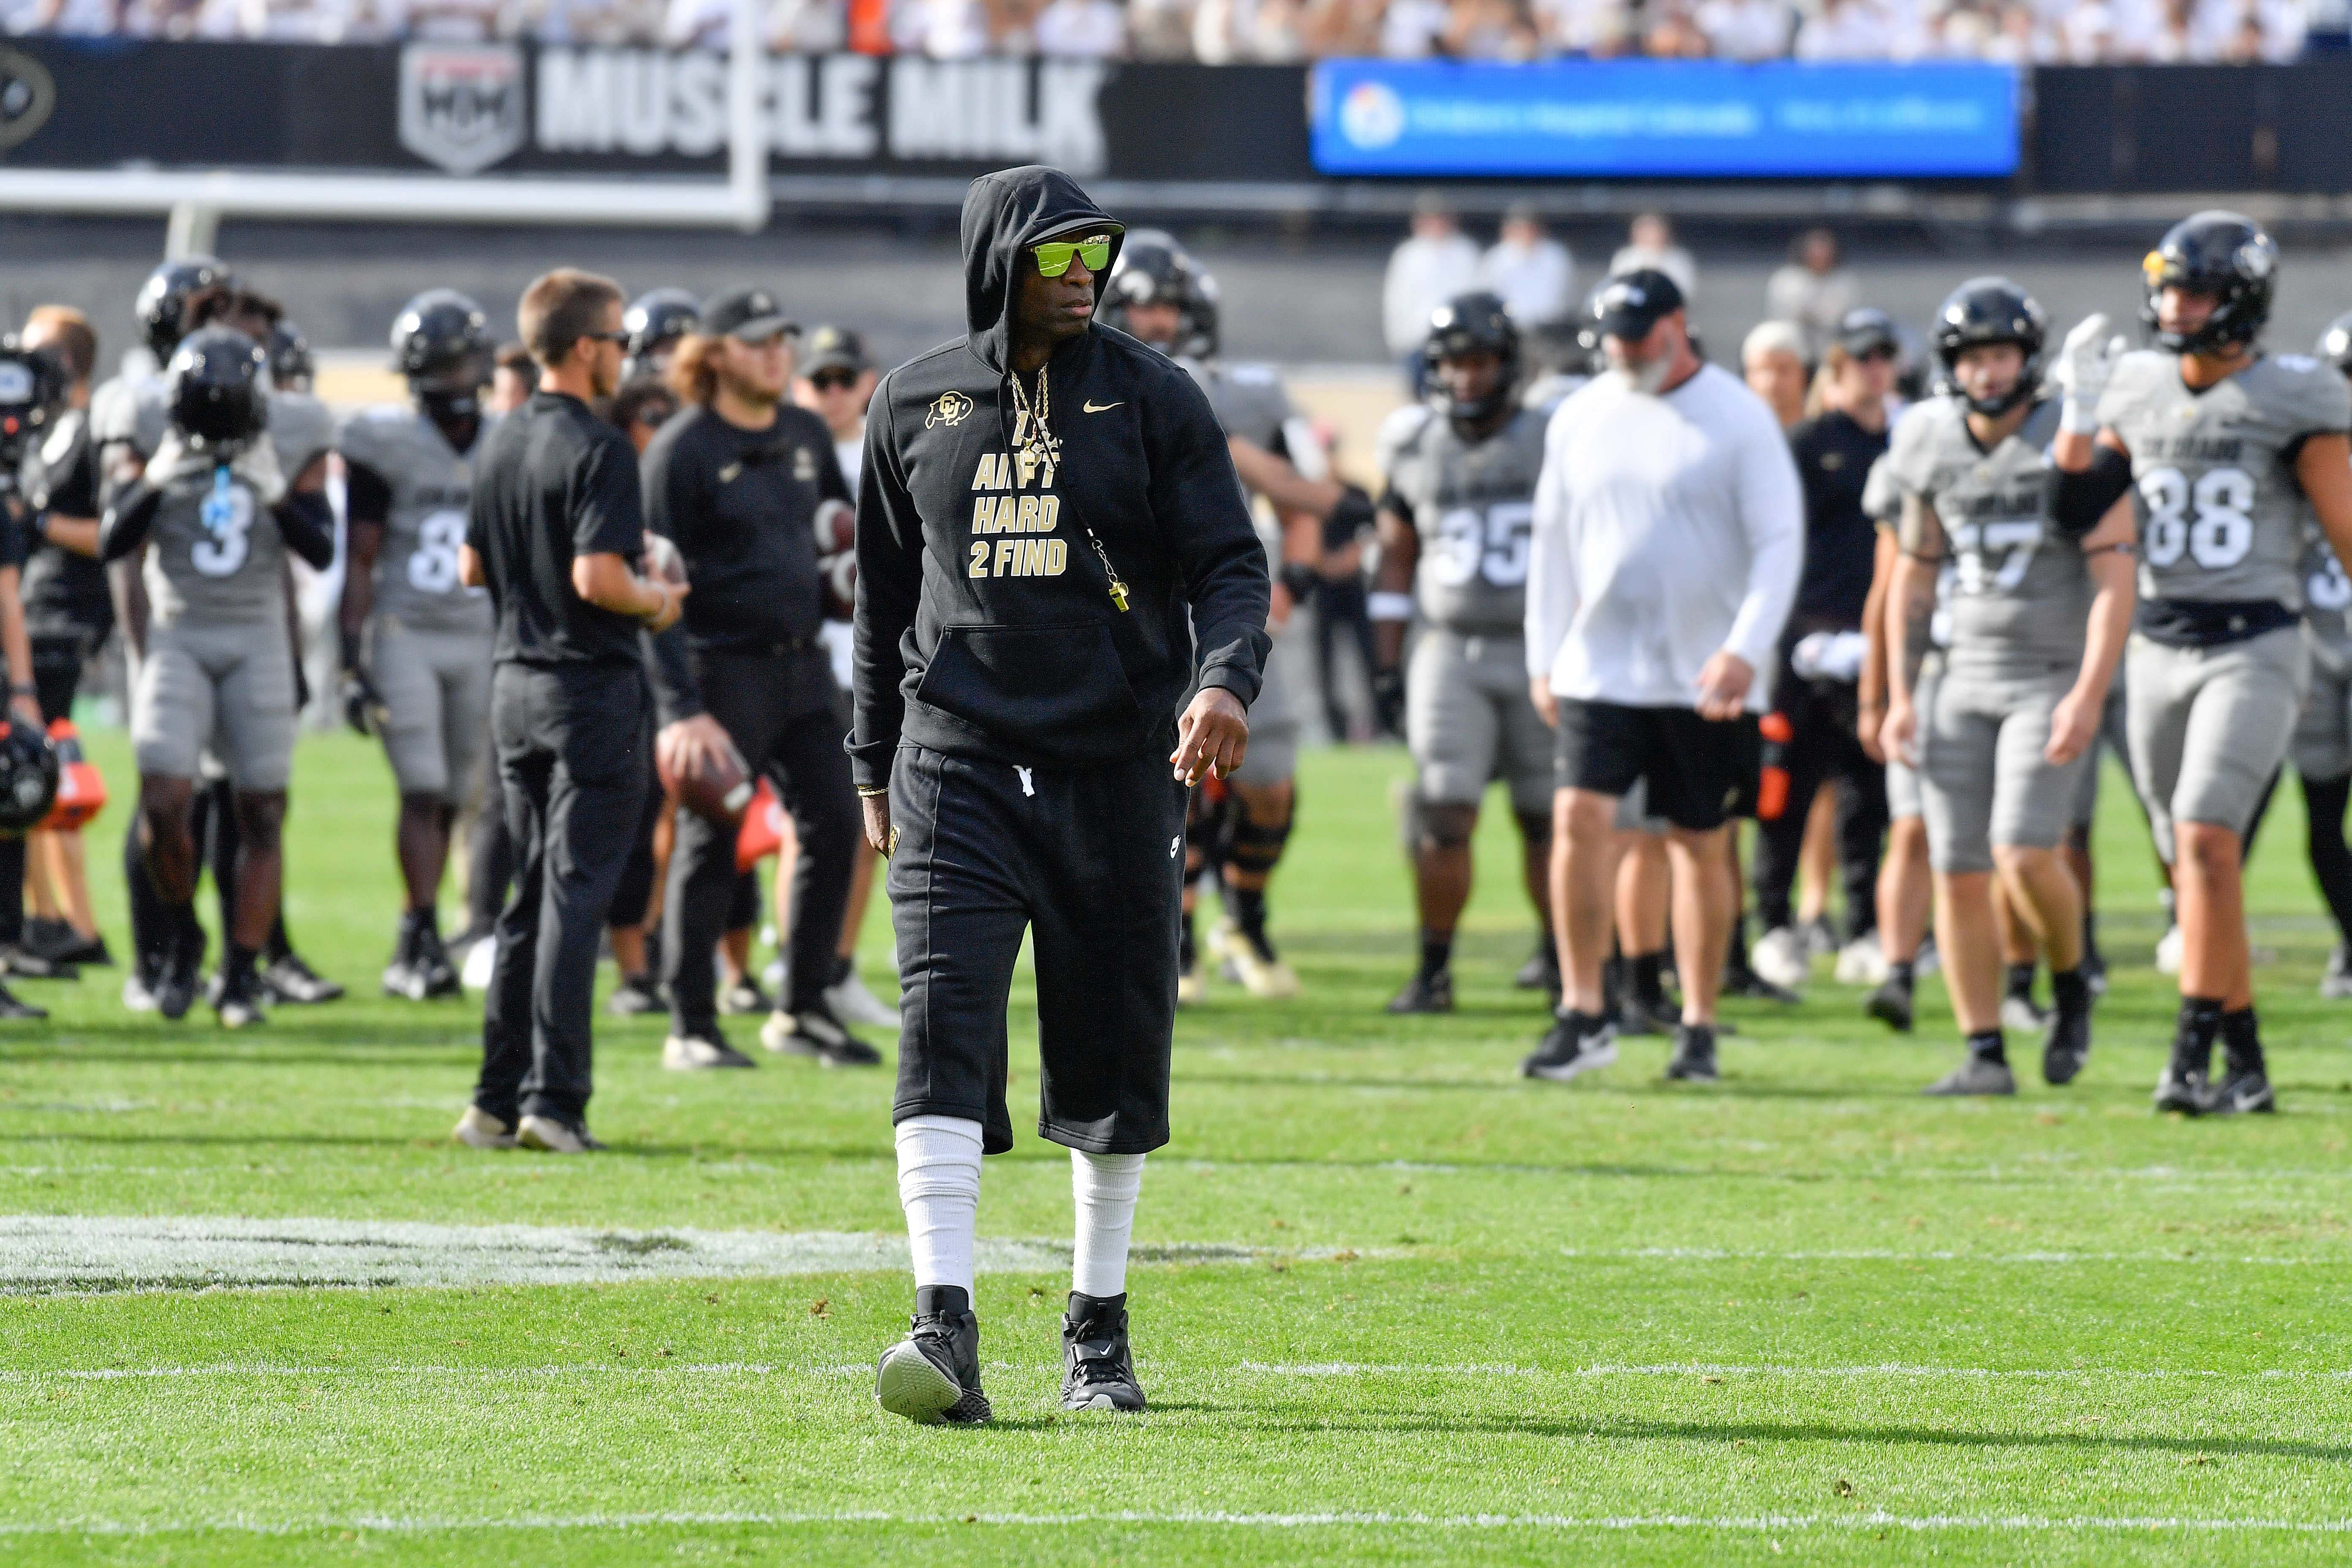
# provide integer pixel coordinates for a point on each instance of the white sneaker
(550, 1136)
(480, 959)
(1260, 973)
(478, 1129)
(2167, 953)
(698, 1052)
(1780, 957)
(1860, 963)
(852, 1002)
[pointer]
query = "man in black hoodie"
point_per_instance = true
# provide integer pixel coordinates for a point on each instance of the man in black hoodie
(1052, 552)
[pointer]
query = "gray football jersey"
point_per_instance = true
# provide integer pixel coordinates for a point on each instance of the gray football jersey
(1474, 508)
(214, 556)
(2220, 512)
(300, 428)
(2020, 590)
(432, 487)
(2327, 597)
(132, 409)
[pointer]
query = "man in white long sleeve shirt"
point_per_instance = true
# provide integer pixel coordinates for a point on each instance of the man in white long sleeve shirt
(1431, 267)
(1668, 537)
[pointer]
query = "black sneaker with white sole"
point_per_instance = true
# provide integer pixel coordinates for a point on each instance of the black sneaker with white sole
(1097, 1367)
(1891, 1003)
(1576, 1043)
(699, 1050)
(2246, 1091)
(2067, 1045)
(1429, 991)
(814, 1033)
(238, 999)
(289, 982)
(932, 1376)
(176, 983)
(2182, 1088)
(1693, 1060)
(635, 997)
(744, 999)
(15, 1007)
(1978, 1074)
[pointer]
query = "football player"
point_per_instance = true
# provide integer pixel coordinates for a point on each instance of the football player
(2322, 748)
(416, 640)
(1461, 468)
(2001, 722)
(2227, 447)
(1161, 294)
(215, 514)
(656, 321)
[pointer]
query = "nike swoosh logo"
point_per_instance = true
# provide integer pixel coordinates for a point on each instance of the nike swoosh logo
(1099, 408)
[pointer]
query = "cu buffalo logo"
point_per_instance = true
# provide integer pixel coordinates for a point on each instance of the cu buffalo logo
(951, 409)
(27, 96)
(461, 104)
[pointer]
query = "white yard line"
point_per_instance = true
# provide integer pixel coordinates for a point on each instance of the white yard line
(1753, 1524)
(2198, 1255)
(1894, 1370)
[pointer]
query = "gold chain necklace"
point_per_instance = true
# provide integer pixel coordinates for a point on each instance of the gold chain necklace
(1035, 439)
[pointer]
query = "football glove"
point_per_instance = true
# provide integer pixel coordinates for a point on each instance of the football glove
(2085, 362)
(364, 708)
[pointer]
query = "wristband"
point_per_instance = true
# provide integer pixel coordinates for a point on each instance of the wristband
(1388, 606)
(23, 688)
(866, 794)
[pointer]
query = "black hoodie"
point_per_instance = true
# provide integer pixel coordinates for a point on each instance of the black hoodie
(986, 625)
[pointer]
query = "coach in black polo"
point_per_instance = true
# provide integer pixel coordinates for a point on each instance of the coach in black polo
(556, 534)
(1052, 553)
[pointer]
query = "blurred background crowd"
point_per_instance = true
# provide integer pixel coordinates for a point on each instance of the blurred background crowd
(2021, 32)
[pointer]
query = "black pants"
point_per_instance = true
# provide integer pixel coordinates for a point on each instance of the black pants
(1090, 863)
(779, 710)
(490, 864)
(1823, 749)
(1342, 617)
(572, 769)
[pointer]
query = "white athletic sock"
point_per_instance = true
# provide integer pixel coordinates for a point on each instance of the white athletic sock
(1105, 1186)
(939, 1186)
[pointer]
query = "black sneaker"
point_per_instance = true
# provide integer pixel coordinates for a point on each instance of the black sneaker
(744, 999)
(2245, 1092)
(57, 941)
(1693, 1060)
(1097, 1369)
(176, 982)
(1891, 1004)
(290, 982)
(1425, 992)
(933, 1375)
(814, 1032)
(15, 1007)
(2181, 1088)
(434, 965)
(2067, 1045)
(635, 997)
(697, 1050)
(2095, 970)
(238, 1002)
(1576, 1043)
(20, 962)
(1636, 1017)
(1978, 1074)
(1541, 971)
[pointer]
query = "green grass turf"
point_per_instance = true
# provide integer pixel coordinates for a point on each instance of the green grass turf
(1801, 1313)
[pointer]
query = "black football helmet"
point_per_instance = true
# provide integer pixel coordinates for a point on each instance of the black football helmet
(1992, 310)
(29, 776)
(162, 301)
(654, 321)
(441, 340)
(217, 392)
(291, 368)
(2223, 255)
(1470, 324)
(2335, 343)
(1153, 268)
(32, 387)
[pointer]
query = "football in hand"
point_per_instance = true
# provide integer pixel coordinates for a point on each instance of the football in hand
(717, 791)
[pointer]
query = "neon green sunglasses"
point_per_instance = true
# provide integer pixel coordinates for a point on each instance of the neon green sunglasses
(1054, 255)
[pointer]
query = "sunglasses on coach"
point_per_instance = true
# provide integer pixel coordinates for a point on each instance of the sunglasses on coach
(1054, 255)
(833, 380)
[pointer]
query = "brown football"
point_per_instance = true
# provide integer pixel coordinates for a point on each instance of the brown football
(718, 792)
(835, 526)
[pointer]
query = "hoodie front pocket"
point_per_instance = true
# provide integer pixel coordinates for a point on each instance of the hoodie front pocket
(1059, 690)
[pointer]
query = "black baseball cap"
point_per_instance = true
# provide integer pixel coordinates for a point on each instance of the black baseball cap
(1630, 304)
(835, 348)
(747, 315)
(1866, 332)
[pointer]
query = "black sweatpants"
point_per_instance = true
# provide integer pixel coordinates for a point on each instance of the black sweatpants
(1090, 863)
(1823, 749)
(778, 709)
(571, 770)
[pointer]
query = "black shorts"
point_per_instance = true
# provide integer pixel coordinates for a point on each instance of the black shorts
(1699, 771)
(1090, 863)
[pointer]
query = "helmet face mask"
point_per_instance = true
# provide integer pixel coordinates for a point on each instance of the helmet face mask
(1153, 270)
(1464, 328)
(219, 379)
(1992, 310)
(2218, 256)
(441, 343)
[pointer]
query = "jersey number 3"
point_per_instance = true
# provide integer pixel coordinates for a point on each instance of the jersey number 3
(2210, 521)
(228, 516)
(1492, 543)
(432, 565)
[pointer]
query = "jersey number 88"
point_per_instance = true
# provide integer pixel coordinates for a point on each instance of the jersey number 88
(2208, 521)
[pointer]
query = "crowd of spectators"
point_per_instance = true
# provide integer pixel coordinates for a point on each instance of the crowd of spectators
(1215, 31)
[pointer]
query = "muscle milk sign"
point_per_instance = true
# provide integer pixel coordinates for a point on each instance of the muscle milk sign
(853, 108)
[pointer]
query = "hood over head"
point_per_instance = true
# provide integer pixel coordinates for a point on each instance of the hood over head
(1003, 213)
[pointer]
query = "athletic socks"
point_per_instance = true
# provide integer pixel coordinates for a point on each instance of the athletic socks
(2193, 1037)
(1902, 973)
(236, 964)
(279, 945)
(1985, 1045)
(1247, 908)
(1436, 957)
(1104, 1187)
(939, 1186)
(2070, 989)
(1647, 970)
(2241, 1041)
(2020, 980)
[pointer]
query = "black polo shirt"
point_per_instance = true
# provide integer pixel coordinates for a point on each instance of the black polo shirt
(65, 594)
(1833, 457)
(550, 483)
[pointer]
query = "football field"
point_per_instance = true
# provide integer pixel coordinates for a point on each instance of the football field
(1393, 1304)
